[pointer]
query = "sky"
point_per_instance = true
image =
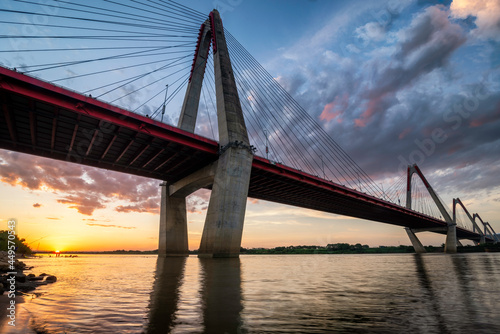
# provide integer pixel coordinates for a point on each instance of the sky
(393, 82)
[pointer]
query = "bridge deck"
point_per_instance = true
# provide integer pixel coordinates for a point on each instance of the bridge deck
(43, 119)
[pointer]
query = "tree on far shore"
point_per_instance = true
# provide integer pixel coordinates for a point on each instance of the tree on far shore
(21, 246)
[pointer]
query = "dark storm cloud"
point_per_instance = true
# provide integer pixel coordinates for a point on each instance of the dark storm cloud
(426, 45)
(405, 99)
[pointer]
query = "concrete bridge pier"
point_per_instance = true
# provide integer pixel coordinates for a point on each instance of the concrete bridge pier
(450, 245)
(173, 239)
(417, 245)
(226, 210)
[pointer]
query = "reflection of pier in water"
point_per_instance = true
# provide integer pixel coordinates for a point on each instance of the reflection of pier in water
(165, 295)
(456, 303)
(220, 281)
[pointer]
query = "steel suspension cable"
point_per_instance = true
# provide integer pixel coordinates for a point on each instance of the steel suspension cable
(147, 11)
(366, 179)
(129, 24)
(174, 63)
(152, 83)
(133, 16)
(116, 69)
(78, 62)
(268, 118)
(270, 100)
(284, 103)
(186, 8)
(193, 31)
(163, 9)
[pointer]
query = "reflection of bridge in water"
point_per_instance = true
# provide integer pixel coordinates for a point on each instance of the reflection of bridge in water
(429, 293)
(46, 120)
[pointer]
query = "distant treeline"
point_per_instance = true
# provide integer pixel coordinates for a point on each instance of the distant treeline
(345, 248)
(119, 251)
(339, 248)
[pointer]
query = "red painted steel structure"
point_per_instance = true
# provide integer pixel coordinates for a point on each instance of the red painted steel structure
(43, 119)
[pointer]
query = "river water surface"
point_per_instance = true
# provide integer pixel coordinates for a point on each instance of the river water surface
(433, 293)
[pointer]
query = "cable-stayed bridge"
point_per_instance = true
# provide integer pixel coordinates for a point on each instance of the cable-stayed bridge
(263, 144)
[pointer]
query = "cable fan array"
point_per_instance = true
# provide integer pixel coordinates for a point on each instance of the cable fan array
(423, 202)
(283, 131)
(124, 53)
(462, 219)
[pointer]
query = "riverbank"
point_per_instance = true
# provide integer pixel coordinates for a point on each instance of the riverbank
(15, 289)
(21, 322)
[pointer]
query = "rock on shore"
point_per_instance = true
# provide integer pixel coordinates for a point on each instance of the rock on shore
(5, 265)
(21, 282)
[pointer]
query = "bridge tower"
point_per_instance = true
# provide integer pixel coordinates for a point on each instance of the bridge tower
(229, 176)
(475, 227)
(451, 229)
(488, 230)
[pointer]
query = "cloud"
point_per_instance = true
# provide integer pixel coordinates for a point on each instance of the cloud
(486, 119)
(372, 31)
(85, 189)
(334, 109)
(404, 133)
(111, 225)
(424, 46)
(423, 80)
(486, 12)
(149, 206)
(84, 204)
(37, 205)
(281, 222)
(53, 218)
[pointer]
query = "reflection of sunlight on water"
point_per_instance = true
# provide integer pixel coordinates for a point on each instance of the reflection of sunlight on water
(434, 293)
(93, 293)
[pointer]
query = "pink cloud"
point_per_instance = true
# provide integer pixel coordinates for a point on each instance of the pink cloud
(404, 133)
(486, 12)
(83, 204)
(37, 205)
(327, 113)
(149, 206)
(371, 108)
(335, 108)
(111, 225)
(486, 119)
(83, 188)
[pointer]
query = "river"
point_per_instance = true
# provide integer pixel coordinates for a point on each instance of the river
(432, 293)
